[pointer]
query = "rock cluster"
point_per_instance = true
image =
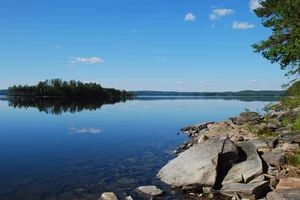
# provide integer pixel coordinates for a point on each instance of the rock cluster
(242, 157)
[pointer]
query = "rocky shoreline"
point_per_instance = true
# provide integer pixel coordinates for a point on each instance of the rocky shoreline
(245, 157)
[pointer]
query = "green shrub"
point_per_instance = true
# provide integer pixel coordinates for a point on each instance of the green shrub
(266, 132)
(294, 158)
(297, 124)
(291, 102)
(286, 121)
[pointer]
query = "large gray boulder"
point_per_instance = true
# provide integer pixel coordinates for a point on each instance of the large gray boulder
(249, 191)
(199, 164)
(247, 170)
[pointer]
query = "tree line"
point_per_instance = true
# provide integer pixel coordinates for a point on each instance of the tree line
(70, 89)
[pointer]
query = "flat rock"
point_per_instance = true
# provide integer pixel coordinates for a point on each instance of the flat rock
(289, 147)
(249, 191)
(198, 165)
(264, 142)
(247, 170)
(292, 194)
(291, 137)
(150, 190)
(288, 183)
(108, 196)
(197, 127)
(274, 158)
(220, 129)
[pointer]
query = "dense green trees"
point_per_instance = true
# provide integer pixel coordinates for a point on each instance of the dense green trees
(283, 45)
(74, 89)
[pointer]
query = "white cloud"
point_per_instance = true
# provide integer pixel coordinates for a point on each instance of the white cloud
(218, 13)
(161, 58)
(91, 60)
(73, 130)
(189, 17)
(179, 82)
(254, 4)
(253, 81)
(242, 25)
(206, 81)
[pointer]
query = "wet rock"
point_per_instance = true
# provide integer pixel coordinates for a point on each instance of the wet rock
(108, 196)
(202, 138)
(288, 183)
(198, 165)
(292, 194)
(264, 142)
(150, 190)
(129, 198)
(207, 190)
(250, 190)
(274, 158)
(187, 189)
(198, 127)
(248, 117)
(291, 137)
(247, 170)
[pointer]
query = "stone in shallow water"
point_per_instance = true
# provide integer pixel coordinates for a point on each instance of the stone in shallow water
(108, 196)
(150, 190)
(250, 190)
(246, 170)
(198, 165)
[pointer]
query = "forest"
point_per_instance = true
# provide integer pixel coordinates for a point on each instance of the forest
(68, 89)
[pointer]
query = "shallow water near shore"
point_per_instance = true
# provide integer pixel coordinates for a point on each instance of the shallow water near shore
(118, 147)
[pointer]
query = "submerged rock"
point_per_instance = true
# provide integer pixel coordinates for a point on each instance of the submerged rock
(249, 191)
(247, 170)
(198, 165)
(108, 196)
(150, 190)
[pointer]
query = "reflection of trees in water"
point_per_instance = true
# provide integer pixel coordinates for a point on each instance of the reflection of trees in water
(57, 106)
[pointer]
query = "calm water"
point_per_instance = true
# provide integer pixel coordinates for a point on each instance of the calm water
(115, 148)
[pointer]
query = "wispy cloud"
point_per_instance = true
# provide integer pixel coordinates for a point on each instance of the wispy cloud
(254, 4)
(91, 60)
(242, 25)
(134, 30)
(212, 26)
(178, 82)
(73, 130)
(161, 58)
(206, 81)
(189, 17)
(56, 47)
(218, 13)
(254, 82)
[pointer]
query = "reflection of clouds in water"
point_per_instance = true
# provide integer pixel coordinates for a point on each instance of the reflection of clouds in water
(73, 130)
(179, 109)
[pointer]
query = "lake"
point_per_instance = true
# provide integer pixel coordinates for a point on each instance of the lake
(78, 152)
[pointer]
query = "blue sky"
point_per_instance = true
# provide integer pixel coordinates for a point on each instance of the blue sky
(179, 45)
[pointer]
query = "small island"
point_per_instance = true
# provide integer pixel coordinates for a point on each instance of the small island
(68, 89)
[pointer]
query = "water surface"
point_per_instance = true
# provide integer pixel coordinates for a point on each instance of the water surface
(80, 154)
